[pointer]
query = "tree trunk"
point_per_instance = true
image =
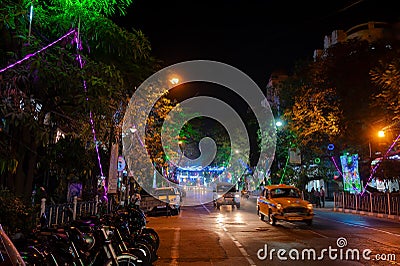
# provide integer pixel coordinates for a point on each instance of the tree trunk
(27, 146)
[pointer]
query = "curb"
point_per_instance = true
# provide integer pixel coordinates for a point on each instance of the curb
(373, 214)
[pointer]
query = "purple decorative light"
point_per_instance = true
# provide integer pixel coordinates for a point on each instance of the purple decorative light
(37, 52)
(379, 163)
(81, 64)
(337, 167)
(91, 120)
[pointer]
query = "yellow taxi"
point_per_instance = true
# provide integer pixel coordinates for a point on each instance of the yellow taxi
(283, 202)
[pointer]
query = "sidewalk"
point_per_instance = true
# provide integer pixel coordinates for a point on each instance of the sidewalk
(329, 206)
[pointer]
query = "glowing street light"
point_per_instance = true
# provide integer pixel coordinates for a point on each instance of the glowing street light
(174, 80)
(381, 133)
(279, 123)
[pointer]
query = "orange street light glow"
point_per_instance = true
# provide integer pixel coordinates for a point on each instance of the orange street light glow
(174, 81)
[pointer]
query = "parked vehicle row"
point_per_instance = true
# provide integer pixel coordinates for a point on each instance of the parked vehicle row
(121, 238)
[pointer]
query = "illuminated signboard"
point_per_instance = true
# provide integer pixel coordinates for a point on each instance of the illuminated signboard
(351, 176)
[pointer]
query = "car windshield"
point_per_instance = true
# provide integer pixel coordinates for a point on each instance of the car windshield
(285, 193)
(166, 191)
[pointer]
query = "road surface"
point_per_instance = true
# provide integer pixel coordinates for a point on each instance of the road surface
(202, 235)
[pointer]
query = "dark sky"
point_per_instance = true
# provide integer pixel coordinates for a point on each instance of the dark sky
(255, 36)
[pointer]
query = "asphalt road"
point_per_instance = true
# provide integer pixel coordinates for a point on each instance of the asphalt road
(202, 235)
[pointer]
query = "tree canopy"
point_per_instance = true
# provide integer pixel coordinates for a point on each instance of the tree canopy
(78, 86)
(342, 98)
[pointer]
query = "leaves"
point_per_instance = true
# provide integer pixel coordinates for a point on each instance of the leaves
(387, 77)
(52, 93)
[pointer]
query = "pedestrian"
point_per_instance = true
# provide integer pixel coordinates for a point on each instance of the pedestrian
(322, 192)
(312, 196)
(317, 196)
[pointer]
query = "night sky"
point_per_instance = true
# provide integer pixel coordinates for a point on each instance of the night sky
(257, 37)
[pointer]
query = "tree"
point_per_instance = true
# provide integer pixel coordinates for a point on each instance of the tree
(387, 77)
(312, 111)
(55, 91)
(329, 100)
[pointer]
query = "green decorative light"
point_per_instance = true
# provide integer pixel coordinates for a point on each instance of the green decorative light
(99, 7)
(317, 160)
(65, 12)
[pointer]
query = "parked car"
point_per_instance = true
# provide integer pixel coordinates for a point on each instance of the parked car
(182, 192)
(226, 194)
(170, 198)
(283, 202)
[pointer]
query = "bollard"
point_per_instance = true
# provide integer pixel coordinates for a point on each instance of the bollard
(334, 201)
(42, 206)
(127, 192)
(96, 199)
(356, 196)
(75, 202)
(388, 202)
(370, 201)
(343, 201)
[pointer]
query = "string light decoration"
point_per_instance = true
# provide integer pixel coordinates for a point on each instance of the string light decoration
(38, 51)
(30, 21)
(91, 120)
(81, 64)
(336, 166)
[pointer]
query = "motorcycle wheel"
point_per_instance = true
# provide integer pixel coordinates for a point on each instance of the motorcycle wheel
(124, 260)
(149, 240)
(147, 248)
(153, 234)
(141, 254)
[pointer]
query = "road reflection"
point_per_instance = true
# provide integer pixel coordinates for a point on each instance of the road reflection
(197, 196)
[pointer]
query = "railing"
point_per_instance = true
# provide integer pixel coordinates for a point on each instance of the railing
(62, 213)
(385, 203)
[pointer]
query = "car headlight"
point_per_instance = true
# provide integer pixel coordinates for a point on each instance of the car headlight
(279, 206)
(310, 206)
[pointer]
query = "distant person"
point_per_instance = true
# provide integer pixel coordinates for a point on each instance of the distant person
(317, 196)
(312, 195)
(322, 194)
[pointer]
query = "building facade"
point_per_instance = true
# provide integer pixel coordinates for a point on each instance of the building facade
(370, 31)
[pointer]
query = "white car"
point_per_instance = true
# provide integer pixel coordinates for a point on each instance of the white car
(226, 194)
(171, 196)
